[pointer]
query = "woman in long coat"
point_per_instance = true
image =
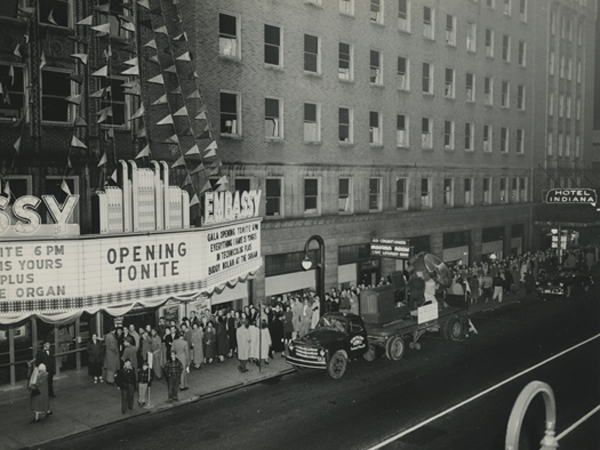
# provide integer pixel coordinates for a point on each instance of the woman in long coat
(95, 351)
(156, 346)
(197, 350)
(265, 342)
(112, 358)
(209, 342)
(276, 328)
(288, 325)
(222, 339)
(40, 403)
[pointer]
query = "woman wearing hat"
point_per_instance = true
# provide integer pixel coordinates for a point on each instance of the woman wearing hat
(38, 387)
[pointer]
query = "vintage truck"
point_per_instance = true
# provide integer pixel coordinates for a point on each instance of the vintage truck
(383, 327)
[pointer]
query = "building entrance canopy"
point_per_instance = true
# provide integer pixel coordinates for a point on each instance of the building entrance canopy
(59, 279)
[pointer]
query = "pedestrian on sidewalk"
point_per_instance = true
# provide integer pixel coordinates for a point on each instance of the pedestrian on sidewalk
(172, 370)
(130, 352)
(46, 356)
(244, 342)
(38, 388)
(498, 283)
(288, 325)
(222, 339)
(125, 379)
(265, 342)
(231, 326)
(182, 351)
(208, 340)
(112, 360)
(157, 353)
(95, 351)
(145, 377)
(197, 350)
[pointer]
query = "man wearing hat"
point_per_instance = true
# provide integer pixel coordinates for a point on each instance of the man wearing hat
(46, 356)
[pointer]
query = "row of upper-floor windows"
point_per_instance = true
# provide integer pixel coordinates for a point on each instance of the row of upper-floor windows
(565, 22)
(230, 46)
(563, 145)
(448, 137)
(564, 106)
(563, 66)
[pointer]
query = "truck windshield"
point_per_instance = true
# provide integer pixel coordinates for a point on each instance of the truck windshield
(332, 324)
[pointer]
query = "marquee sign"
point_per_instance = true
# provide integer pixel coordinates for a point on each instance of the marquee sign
(572, 195)
(392, 248)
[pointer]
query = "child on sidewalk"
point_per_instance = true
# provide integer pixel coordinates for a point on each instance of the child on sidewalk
(145, 377)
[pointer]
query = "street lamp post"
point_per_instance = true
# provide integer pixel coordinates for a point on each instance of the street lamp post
(320, 275)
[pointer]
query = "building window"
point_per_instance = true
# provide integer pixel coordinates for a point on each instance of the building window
(579, 33)
(523, 10)
(376, 71)
(568, 108)
(577, 146)
(229, 36)
(505, 100)
(57, 12)
(504, 140)
(553, 22)
(312, 128)
(560, 144)
(551, 104)
(116, 103)
(569, 30)
(273, 118)
(506, 48)
(567, 145)
(10, 8)
(503, 190)
(427, 78)
(401, 130)
(488, 91)
(551, 62)
(490, 3)
(471, 36)
(450, 30)
(506, 7)
(468, 191)
(401, 193)
(470, 87)
(347, 7)
(514, 191)
(487, 138)
(273, 197)
(375, 194)
(561, 105)
(403, 77)
(448, 135)
(578, 109)
(312, 59)
(344, 61)
(448, 192)
(489, 42)
(487, 191)
(311, 195)
(375, 134)
(426, 133)
(404, 15)
(345, 195)
(521, 97)
(469, 137)
(345, 125)
(114, 17)
(550, 144)
(242, 184)
(273, 54)
(56, 87)
(579, 71)
(562, 66)
(520, 141)
(449, 91)
(12, 97)
(569, 68)
(522, 53)
(428, 22)
(426, 197)
(230, 114)
(376, 11)
(523, 189)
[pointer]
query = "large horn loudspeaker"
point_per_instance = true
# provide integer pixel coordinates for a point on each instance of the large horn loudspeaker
(428, 262)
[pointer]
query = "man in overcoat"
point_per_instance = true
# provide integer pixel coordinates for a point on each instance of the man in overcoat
(244, 342)
(46, 356)
(112, 361)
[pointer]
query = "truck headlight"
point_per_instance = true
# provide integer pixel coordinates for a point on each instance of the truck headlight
(322, 352)
(561, 284)
(291, 347)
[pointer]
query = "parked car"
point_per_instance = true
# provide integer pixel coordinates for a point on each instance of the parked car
(563, 282)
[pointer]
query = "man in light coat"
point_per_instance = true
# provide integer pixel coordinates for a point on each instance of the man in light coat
(112, 361)
(182, 352)
(244, 342)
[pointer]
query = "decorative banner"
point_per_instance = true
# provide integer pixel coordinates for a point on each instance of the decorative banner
(166, 121)
(144, 153)
(161, 100)
(102, 29)
(83, 57)
(77, 143)
(87, 21)
(102, 72)
(103, 160)
(17, 145)
(193, 151)
(180, 162)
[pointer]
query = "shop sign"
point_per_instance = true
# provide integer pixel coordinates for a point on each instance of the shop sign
(392, 248)
(427, 313)
(227, 206)
(572, 195)
(28, 220)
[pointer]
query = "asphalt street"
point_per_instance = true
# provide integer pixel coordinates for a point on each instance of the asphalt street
(378, 400)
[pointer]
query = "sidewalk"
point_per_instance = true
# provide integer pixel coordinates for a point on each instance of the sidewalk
(102, 405)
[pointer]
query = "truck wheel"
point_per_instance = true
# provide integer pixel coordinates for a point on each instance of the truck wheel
(371, 354)
(454, 329)
(337, 365)
(568, 292)
(394, 349)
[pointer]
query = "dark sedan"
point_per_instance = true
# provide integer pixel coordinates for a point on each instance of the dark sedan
(563, 281)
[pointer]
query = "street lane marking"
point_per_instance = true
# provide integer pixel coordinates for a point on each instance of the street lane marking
(579, 422)
(481, 394)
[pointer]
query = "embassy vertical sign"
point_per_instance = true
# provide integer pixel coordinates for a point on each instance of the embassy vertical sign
(572, 195)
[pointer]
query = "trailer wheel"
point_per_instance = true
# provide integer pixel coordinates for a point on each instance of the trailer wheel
(394, 349)
(454, 329)
(337, 365)
(370, 354)
(568, 292)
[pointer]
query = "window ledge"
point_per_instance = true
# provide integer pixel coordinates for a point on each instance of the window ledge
(274, 140)
(377, 85)
(403, 147)
(404, 90)
(235, 59)
(312, 74)
(343, 80)
(346, 144)
(375, 146)
(46, 123)
(274, 68)
(403, 31)
(428, 94)
(347, 15)
(378, 24)
(233, 137)
(313, 143)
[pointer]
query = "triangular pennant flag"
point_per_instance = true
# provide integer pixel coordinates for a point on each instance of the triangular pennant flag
(17, 51)
(102, 118)
(135, 70)
(102, 72)
(75, 99)
(128, 26)
(7, 188)
(166, 121)
(211, 146)
(193, 151)
(65, 187)
(114, 176)
(144, 4)
(75, 142)
(154, 59)
(198, 169)
(211, 153)
(26, 11)
(17, 145)
(102, 161)
(181, 112)
(161, 100)
(176, 91)
(158, 79)
(162, 30)
(110, 133)
(136, 90)
(138, 113)
(181, 37)
(201, 116)
(108, 110)
(172, 140)
(187, 56)
(187, 181)
(144, 153)
(186, 132)
(80, 122)
(51, 18)
(83, 57)
(87, 21)
(171, 69)
(223, 181)
(42, 60)
(98, 94)
(195, 74)
(195, 94)
(194, 201)
(11, 74)
(76, 78)
(151, 44)
(132, 62)
(131, 83)
(69, 165)
(103, 28)
(212, 171)
(180, 162)
(142, 132)
(207, 187)
(103, 8)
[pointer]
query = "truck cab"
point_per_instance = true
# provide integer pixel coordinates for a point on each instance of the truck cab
(338, 338)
